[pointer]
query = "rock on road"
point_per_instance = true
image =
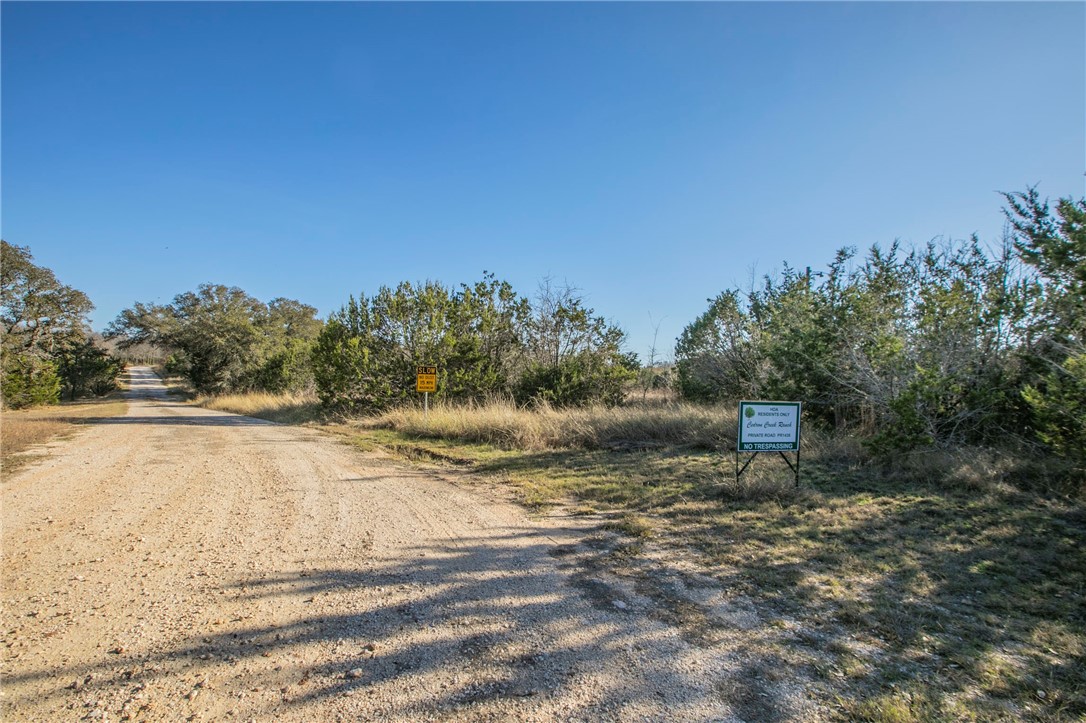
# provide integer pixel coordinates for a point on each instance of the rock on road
(182, 563)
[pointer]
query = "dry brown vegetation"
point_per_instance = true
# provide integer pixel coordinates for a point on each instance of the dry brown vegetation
(507, 426)
(943, 587)
(282, 408)
(937, 590)
(22, 430)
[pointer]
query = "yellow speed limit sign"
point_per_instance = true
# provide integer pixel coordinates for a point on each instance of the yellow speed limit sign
(425, 379)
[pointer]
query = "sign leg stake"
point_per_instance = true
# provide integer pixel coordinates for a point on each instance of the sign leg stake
(739, 471)
(793, 467)
(744, 469)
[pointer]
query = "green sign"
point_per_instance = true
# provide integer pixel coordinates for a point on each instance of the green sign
(768, 427)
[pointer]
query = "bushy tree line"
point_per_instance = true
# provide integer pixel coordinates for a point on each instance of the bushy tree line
(485, 340)
(946, 344)
(47, 349)
(224, 340)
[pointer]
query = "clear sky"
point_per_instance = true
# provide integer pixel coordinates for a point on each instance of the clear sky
(650, 154)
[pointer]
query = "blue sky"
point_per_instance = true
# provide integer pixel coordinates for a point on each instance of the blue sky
(652, 155)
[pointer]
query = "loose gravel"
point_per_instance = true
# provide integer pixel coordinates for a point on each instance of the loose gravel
(182, 563)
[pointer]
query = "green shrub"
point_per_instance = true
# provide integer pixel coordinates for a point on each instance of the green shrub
(574, 382)
(29, 382)
(87, 369)
(1059, 408)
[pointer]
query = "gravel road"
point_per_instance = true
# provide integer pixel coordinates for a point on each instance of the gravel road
(181, 563)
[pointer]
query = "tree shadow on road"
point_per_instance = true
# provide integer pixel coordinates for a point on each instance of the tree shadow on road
(507, 626)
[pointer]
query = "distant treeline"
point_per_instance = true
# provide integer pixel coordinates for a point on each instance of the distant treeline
(943, 345)
(224, 340)
(485, 340)
(948, 344)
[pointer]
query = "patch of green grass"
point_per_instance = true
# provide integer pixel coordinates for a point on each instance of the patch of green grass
(911, 706)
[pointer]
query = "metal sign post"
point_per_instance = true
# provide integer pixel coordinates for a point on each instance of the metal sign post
(768, 427)
(425, 382)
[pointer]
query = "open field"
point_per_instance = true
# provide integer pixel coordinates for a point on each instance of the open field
(937, 592)
(20, 430)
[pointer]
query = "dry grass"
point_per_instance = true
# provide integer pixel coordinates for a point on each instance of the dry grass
(22, 430)
(507, 426)
(282, 408)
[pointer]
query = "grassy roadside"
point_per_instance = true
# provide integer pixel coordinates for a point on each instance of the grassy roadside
(937, 592)
(282, 408)
(909, 600)
(20, 430)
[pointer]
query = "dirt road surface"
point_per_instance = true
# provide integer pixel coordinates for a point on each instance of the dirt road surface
(184, 564)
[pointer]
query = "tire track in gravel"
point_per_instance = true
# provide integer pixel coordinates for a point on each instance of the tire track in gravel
(180, 563)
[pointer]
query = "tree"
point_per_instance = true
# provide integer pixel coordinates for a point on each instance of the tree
(38, 312)
(718, 356)
(366, 356)
(909, 349)
(87, 368)
(349, 361)
(798, 344)
(486, 322)
(222, 338)
(1054, 350)
(1058, 403)
(42, 321)
(29, 381)
(484, 339)
(650, 375)
(1054, 244)
(574, 357)
(281, 359)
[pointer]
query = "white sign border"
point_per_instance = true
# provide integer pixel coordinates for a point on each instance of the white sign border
(792, 446)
